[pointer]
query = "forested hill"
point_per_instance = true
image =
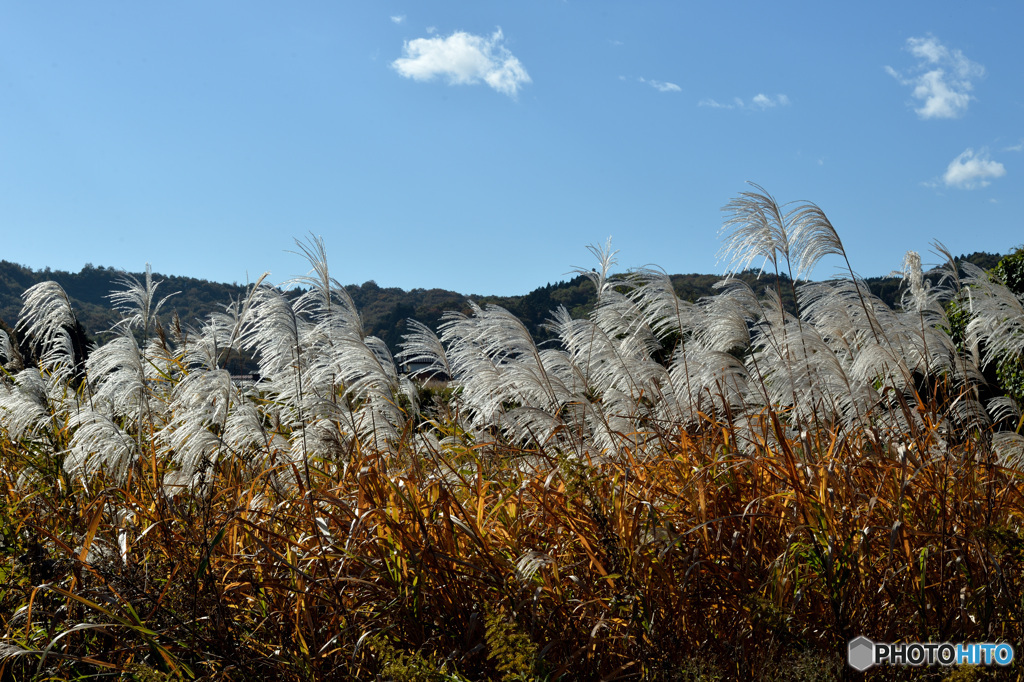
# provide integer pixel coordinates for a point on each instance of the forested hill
(384, 310)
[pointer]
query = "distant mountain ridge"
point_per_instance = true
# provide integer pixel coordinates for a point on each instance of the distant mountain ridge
(384, 310)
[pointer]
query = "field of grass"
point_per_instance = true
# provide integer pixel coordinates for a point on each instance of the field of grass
(671, 491)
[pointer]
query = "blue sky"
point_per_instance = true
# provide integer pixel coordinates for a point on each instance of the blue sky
(480, 146)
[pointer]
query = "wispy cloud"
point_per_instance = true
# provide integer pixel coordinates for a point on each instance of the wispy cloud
(970, 170)
(397, 18)
(942, 78)
(431, 29)
(762, 101)
(661, 86)
(463, 59)
(1019, 147)
(758, 102)
(736, 103)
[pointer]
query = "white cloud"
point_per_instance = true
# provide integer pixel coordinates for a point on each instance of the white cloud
(942, 78)
(929, 49)
(758, 102)
(662, 86)
(714, 104)
(463, 59)
(431, 29)
(1019, 147)
(398, 19)
(970, 170)
(762, 101)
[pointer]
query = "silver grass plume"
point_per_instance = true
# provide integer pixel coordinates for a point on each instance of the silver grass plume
(723, 322)
(163, 364)
(201, 407)
(949, 270)
(602, 277)
(495, 361)
(849, 318)
(708, 381)
(608, 378)
(471, 369)
(98, 444)
(277, 332)
(117, 371)
(615, 313)
(529, 563)
(1008, 445)
(967, 372)
(6, 352)
(24, 405)
(628, 329)
(913, 277)
(797, 368)
(344, 360)
(706, 376)
(814, 237)
(221, 334)
(755, 228)
(1005, 408)
(351, 373)
(364, 373)
(46, 315)
(997, 316)
(247, 435)
(45, 312)
(331, 297)
(207, 346)
(847, 315)
(664, 312)
(844, 315)
(1009, 448)
(919, 332)
(421, 345)
(136, 301)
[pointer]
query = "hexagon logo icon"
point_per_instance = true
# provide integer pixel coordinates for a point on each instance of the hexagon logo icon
(861, 653)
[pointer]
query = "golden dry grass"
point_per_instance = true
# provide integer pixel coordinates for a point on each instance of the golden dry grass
(700, 558)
